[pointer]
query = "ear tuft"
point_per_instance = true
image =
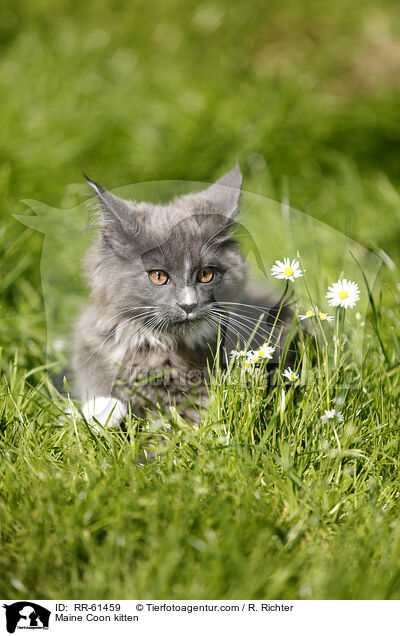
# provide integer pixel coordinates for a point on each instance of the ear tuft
(96, 186)
(105, 197)
(117, 222)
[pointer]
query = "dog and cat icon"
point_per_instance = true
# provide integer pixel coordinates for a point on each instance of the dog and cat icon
(26, 615)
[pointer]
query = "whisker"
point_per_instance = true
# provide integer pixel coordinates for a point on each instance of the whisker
(219, 320)
(228, 302)
(247, 311)
(97, 351)
(145, 332)
(246, 327)
(275, 340)
(131, 309)
(160, 327)
(267, 334)
(141, 334)
(243, 335)
(235, 316)
(266, 310)
(279, 323)
(124, 322)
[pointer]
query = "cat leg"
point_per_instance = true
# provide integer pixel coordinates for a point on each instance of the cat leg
(95, 385)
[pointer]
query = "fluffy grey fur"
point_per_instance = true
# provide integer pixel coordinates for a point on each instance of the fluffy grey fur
(132, 329)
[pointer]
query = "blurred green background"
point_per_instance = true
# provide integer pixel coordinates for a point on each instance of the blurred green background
(306, 94)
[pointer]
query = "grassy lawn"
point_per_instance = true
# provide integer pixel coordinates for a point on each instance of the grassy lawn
(262, 500)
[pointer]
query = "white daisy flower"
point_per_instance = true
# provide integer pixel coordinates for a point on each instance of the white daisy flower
(331, 415)
(292, 376)
(309, 314)
(322, 316)
(289, 270)
(265, 351)
(253, 357)
(344, 293)
(237, 355)
(249, 363)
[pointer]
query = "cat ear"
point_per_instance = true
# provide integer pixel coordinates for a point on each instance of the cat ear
(224, 194)
(116, 219)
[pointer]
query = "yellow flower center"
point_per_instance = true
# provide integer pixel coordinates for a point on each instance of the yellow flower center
(309, 313)
(256, 358)
(343, 294)
(292, 377)
(261, 354)
(288, 271)
(247, 364)
(322, 316)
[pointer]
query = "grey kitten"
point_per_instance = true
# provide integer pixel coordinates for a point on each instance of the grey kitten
(166, 282)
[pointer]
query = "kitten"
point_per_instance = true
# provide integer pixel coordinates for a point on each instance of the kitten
(165, 280)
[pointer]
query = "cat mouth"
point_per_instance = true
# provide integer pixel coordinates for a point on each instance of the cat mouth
(187, 321)
(194, 331)
(185, 324)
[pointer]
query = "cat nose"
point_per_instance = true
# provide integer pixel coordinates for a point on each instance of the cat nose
(188, 307)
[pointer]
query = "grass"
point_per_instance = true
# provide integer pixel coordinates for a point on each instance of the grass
(307, 95)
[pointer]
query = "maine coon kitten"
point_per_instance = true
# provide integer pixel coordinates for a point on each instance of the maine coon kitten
(165, 280)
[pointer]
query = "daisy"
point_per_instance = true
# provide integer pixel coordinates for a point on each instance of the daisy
(250, 362)
(332, 416)
(309, 314)
(253, 357)
(288, 270)
(344, 293)
(265, 351)
(292, 376)
(323, 316)
(237, 355)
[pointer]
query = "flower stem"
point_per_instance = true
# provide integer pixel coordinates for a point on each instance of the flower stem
(279, 311)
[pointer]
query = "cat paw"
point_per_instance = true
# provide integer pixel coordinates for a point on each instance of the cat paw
(107, 411)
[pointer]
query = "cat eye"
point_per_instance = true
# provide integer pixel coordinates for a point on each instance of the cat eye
(205, 275)
(158, 277)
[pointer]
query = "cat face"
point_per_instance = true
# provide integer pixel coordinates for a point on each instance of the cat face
(195, 267)
(169, 264)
